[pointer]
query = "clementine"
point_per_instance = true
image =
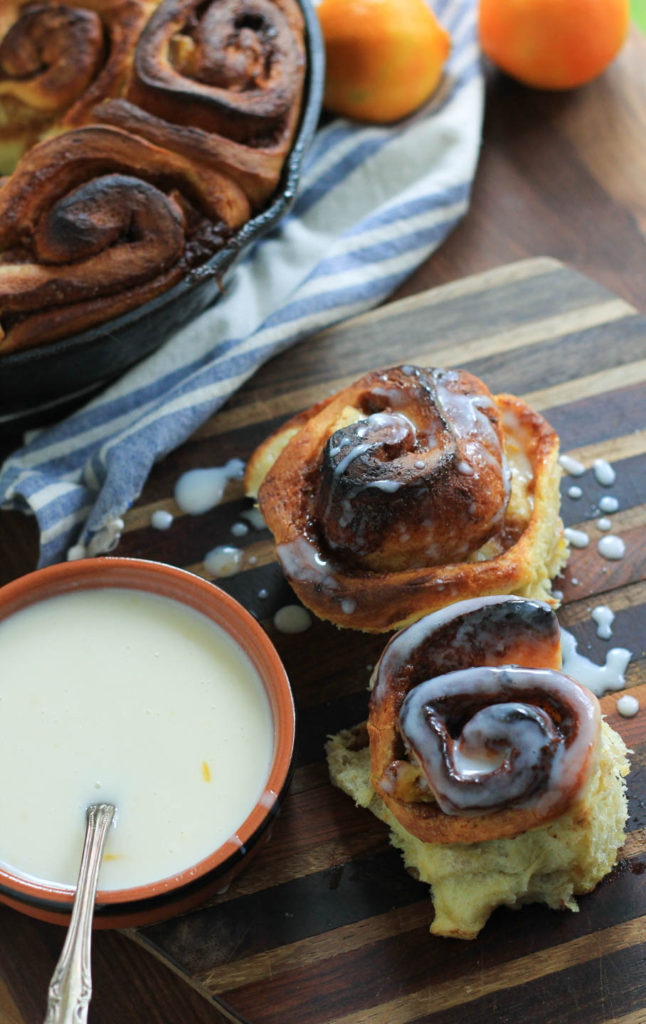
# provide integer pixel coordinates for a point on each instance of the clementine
(552, 44)
(384, 58)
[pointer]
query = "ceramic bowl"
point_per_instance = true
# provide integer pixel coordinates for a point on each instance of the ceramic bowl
(148, 903)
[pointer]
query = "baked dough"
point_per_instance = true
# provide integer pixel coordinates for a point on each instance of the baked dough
(494, 772)
(167, 125)
(408, 490)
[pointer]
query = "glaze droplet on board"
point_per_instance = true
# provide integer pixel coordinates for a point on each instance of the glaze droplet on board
(223, 560)
(574, 492)
(161, 519)
(571, 466)
(627, 706)
(255, 518)
(611, 547)
(577, 538)
(199, 490)
(604, 473)
(292, 618)
(608, 503)
(604, 618)
(598, 678)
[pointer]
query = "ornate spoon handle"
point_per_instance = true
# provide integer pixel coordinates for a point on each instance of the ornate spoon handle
(70, 989)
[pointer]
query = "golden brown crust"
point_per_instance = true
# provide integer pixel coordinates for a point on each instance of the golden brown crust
(377, 594)
(472, 656)
(192, 103)
(96, 221)
(57, 60)
(220, 83)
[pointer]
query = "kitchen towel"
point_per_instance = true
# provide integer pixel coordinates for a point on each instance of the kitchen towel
(373, 203)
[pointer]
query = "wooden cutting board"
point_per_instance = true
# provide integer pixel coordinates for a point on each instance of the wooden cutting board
(326, 927)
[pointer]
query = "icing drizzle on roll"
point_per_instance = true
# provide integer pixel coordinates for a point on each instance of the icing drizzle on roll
(423, 464)
(475, 733)
(407, 490)
(534, 727)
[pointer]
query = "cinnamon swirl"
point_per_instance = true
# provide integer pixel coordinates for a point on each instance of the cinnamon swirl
(140, 136)
(407, 490)
(112, 222)
(220, 82)
(499, 781)
(59, 59)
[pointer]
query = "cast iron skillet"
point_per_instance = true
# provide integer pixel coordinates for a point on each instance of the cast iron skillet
(42, 384)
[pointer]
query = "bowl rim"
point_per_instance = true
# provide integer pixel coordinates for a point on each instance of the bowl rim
(186, 587)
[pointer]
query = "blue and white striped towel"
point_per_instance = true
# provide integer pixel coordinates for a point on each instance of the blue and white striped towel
(373, 204)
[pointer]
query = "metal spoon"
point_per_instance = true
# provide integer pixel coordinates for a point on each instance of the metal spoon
(70, 989)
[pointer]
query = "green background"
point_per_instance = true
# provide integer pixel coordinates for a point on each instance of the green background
(638, 8)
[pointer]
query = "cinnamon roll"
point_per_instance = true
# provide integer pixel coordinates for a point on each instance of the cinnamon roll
(96, 221)
(493, 769)
(57, 60)
(407, 490)
(137, 136)
(221, 82)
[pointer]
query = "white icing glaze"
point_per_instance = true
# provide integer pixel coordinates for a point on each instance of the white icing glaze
(161, 519)
(302, 561)
(292, 618)
(604, 524)
(627, 706)
(254, 517)
(107, 538)
(598, 678)
(571, 466)
(604, 473)
(199, 490)
(516, 735)
(223, 560)
(239, 529)
(604, 618)
(611, 547)
(608, 503)
(574, 491)
(400, 649)
(137, 699)
(577, 538)
(76, 552)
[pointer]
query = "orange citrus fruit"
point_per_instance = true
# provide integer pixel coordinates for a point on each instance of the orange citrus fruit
(384, 58)
(552, 44)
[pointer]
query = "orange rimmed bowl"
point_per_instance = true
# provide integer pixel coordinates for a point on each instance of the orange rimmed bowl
(161, 899)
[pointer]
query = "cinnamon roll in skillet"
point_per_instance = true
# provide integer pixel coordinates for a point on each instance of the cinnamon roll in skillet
(57, 60)
(192, 104)
(499, 781)
(407, 490)
(97, 221)
(220, 82)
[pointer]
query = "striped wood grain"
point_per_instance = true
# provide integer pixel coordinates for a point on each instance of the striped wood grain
(325, 927)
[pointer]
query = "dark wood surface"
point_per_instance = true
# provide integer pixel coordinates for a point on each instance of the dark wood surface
(327, 926)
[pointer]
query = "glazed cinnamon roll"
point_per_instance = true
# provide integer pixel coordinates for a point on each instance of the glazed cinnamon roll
(493, 769)
(96, 221)
(468, 740)
(221, 82)
(407, 490)
(57, 60)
